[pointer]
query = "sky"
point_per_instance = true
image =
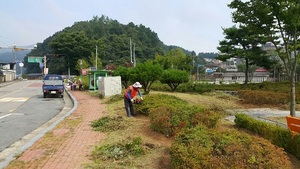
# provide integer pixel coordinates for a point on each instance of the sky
(195, 25)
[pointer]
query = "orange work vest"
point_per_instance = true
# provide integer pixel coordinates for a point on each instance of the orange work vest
(132, 91)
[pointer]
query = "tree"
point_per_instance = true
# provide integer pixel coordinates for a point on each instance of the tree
(175, 59)
(179, 60)
(174, 78)
(243, 42)
(124, 72)
(278, 22)
(81, 64)
(146, 73)
(163, 61)
(92, 61)
(72, 45)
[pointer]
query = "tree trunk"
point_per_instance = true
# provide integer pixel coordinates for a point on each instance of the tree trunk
(293, 97)
(247, 71)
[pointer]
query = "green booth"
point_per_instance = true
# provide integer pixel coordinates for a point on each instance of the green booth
(94, 77)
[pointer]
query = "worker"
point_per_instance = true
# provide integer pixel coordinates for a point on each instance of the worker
(129, 94)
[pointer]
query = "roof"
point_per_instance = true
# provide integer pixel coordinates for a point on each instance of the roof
(260, 70)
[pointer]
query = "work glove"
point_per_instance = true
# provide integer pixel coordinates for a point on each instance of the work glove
(142, 98)
(131, 100)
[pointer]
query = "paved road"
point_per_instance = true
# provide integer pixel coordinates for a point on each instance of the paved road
(23, 109)
(25, 114)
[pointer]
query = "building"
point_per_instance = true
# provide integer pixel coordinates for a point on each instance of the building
(7, 71)
(239, 77)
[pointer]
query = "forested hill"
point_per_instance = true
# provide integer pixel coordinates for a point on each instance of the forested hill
(208, 55)
(111, 38)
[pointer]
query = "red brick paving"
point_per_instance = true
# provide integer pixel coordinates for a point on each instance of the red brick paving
(73, 152)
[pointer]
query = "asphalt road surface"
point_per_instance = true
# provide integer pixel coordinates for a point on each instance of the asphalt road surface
(23, 109)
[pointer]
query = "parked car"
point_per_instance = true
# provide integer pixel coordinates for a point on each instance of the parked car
(53, 85)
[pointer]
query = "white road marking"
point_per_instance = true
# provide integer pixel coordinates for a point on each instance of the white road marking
(13, 99)
(1, 117)
(5, 116)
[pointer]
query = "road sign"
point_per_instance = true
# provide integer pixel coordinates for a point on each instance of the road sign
(35, 59)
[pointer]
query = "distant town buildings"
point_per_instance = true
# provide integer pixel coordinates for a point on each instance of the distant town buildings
(230, 72)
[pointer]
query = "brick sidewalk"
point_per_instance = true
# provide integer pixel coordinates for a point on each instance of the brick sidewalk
(68, 145)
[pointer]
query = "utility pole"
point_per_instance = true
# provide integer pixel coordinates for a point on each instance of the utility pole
(96, 56)
(134, 62)
(130, 51)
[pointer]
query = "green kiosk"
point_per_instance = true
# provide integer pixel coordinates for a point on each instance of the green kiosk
(94, 77)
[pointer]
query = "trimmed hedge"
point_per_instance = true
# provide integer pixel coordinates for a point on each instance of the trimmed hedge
(278, 135)
(157, 100)
(200, 147)
(170, 120)
(263, 97)
(169, 114)
(254, 93)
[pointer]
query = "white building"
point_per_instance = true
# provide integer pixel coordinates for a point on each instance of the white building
(239, 77)
(7, 71)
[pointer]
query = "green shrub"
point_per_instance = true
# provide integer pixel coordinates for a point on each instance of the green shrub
(191, 148)
(278, 135)
(156, 100)
(196, 87)
(158, 86)
(263, 97)
(160, 120)
(200, 147)
(169, 114)
(254, 93)
(169, 120)
(208, 118)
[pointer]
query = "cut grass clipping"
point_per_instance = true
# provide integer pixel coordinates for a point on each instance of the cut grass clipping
(119, 150)
(108, 124)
